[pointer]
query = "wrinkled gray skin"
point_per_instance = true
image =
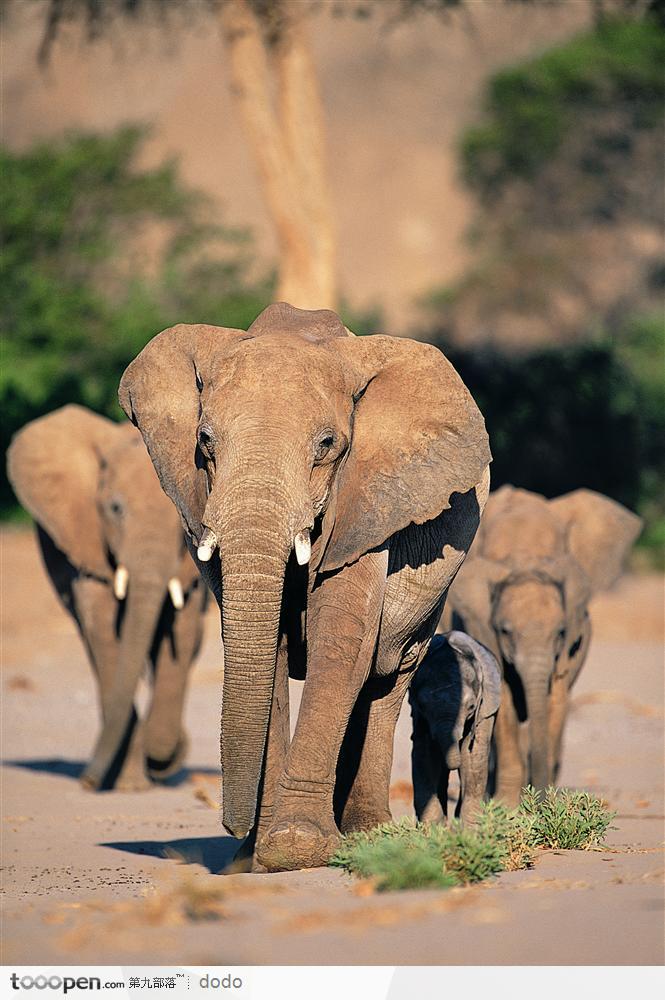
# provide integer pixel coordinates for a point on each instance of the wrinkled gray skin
(370, 450)
(524, 592)
(111, 542)
(454, 697)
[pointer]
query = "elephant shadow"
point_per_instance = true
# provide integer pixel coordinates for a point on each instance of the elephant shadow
(73, 769)
(213, 853)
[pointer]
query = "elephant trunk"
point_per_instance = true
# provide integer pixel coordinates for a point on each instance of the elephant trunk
(536, 681)
(145, 599)
(255, 527)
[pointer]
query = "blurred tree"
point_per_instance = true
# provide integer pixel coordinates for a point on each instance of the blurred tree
(275, 84)
(82, 290)
(567, 167)
(268, 55)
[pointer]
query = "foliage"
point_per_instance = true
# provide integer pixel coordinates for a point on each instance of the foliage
(563, 819)
(586, 415)
(97, 257)
(411, 855)
(557, 327)
(567, 166)
(531, 107)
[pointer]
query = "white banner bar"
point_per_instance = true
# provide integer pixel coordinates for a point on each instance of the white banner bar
(344, 982)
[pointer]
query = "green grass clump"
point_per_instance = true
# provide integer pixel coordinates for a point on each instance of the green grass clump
(412, 855)
(564, 819)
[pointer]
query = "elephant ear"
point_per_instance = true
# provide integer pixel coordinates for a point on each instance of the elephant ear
(470, 597)
(54, 464)
(600, 533)
(160, 393)
(487, 668)
(418, 438)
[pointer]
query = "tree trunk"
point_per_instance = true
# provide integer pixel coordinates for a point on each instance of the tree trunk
(287, 140)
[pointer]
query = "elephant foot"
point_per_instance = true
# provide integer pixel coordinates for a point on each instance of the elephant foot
(160, 770)
(508, 795)
(294, 844)
(364, 819)
(133, 781)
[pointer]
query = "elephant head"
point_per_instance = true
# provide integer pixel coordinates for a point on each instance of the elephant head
(457, 686)
(91, 488)
(525, 588)
(293, 442)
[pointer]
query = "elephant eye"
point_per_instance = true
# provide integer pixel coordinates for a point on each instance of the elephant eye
(504, 630)
(206, 442)
(323, 447)
(116, 507)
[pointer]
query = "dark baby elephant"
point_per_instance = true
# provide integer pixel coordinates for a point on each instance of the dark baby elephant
(114, 550)
(454, 697)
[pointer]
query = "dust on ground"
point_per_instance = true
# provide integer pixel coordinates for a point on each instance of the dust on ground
(135, 878)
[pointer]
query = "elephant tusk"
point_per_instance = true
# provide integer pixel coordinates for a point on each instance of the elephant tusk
(207, 545)
(120, 582)
(176, 594)
(303, 547)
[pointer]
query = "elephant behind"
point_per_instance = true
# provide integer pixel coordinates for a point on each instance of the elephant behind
(524, 593)
(329, 487)
(114, 550)
(454, 697)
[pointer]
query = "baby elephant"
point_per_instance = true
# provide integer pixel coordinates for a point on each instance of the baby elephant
(454, 696)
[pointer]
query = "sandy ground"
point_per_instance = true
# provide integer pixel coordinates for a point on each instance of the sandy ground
(134, 879)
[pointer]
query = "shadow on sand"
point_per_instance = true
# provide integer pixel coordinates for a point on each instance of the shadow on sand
(214, 853)
(74, 769)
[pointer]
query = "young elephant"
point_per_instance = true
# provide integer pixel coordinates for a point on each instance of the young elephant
(454, 696)
(114, 550)
(524, 592)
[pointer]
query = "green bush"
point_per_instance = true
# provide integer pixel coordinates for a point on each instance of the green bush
(563, 819)
(531, 108)
(411, 855)
(81, 294)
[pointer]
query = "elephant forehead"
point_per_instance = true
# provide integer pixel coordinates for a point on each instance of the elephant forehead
(533, 603)
(280, 363)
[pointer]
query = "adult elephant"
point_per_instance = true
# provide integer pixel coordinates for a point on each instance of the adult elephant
(524, 592)
(114, 550)
(329, 487)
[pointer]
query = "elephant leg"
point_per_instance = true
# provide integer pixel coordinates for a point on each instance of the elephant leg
(558, 709)
(343, 622)
(510, 766)
(96, 610)
(474, 765)
(427, 774)
(441, 816)
(561, 685)
(370, 741)
(176, 642)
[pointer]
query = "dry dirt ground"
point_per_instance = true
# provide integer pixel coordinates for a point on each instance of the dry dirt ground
(134, 879)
